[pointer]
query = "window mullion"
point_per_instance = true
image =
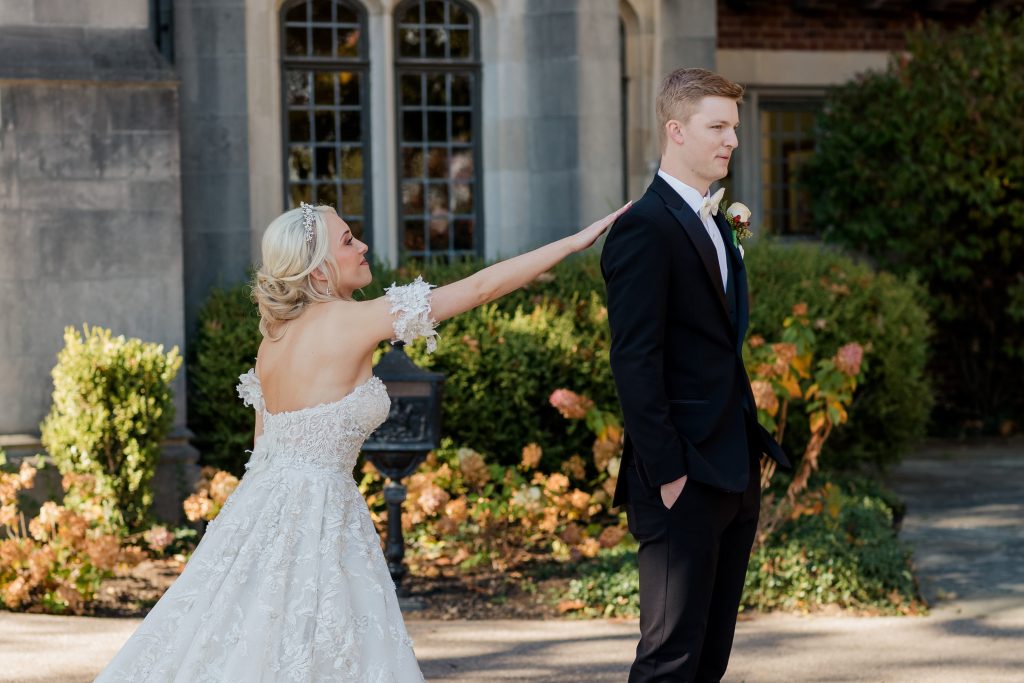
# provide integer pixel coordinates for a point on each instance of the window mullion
(437, 145)
(341, 143)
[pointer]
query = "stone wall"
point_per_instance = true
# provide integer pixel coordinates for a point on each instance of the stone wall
(77, 13)
(90, 210)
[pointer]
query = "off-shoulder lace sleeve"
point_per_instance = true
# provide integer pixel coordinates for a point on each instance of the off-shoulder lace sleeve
(410, 306)
(249, 390)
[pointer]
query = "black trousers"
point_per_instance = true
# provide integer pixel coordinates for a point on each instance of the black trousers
(693, 559)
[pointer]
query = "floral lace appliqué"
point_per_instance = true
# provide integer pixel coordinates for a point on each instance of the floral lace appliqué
(250, 390)
(289, 583)
(410, 304)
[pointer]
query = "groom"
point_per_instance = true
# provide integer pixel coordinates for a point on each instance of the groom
(678, 311)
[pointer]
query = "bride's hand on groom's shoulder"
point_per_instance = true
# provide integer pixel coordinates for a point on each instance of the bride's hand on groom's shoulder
(586, 237)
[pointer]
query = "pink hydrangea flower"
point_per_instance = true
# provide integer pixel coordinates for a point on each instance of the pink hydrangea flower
(849, 358)
(571, 405)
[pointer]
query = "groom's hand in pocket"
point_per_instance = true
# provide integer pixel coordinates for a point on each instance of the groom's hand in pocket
(670, 491)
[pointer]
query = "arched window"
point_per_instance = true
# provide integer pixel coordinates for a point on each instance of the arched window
(438, 79)
(325, 100)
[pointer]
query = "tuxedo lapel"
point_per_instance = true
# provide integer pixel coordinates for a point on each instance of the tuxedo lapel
(739, 279)
(726, 231)
(701, 242)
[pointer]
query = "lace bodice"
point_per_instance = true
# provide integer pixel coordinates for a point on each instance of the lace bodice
(328, 435)
(289, 582)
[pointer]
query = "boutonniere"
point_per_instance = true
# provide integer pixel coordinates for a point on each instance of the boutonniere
(737, 215)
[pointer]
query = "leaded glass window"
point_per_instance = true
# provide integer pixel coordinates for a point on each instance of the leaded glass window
(324, 88)
(438, 80)
(787, 142)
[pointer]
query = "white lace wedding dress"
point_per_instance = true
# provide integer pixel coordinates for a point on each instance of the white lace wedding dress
(289, 582)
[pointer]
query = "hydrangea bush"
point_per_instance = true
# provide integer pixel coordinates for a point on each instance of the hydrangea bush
(56, 561)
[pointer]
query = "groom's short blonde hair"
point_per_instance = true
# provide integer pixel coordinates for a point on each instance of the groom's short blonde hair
(683, 89)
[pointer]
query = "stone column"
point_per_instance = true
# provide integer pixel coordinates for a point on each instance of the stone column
(551, 112)
(209, 49)
(688, 35)
(599, 111)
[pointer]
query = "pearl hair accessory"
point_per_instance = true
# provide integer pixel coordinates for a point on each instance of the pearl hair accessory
(308, 219)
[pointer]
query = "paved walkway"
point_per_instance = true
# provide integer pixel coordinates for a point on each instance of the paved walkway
(965, 518)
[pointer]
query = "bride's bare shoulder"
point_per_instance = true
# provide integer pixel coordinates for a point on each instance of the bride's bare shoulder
(350, 309)
(368, 320)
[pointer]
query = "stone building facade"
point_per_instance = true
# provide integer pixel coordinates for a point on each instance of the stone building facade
(90, 195)
(145, 144)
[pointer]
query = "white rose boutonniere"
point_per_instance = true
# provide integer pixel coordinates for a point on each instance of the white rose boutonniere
(738, 217)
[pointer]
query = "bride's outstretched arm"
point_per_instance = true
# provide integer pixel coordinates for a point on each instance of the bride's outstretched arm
(376, 318)
(509, 275)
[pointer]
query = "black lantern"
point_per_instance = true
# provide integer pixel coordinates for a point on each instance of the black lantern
(397, 448)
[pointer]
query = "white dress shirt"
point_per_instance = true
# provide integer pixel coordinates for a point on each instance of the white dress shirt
(694, 200)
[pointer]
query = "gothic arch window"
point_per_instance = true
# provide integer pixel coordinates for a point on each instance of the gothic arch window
(437, 72)
(325, 103)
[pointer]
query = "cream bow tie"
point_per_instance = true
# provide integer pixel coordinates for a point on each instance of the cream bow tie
(710, 204)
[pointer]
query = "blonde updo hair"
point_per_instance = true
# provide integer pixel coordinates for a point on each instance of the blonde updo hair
(283, 285)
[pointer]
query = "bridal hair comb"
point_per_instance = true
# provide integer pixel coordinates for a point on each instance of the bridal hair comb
(308, 219)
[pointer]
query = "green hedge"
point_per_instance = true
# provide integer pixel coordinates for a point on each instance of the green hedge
(885, 313)
(112, 408)
(225, 347)
(879, 310)
(502, 361)
(922, 168)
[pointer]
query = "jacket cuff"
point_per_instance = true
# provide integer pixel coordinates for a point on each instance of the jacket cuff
(663, 470)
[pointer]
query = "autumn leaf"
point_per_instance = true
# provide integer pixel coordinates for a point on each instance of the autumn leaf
(802, 365)
(791, 385)
(570, 606)
(834, 501)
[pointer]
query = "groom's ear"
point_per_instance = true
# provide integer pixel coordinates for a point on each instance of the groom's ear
(674, 131)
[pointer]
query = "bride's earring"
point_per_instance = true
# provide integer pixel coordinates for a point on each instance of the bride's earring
(327, 279)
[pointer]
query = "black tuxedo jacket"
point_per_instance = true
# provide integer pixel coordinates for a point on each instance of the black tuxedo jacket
(676, 348)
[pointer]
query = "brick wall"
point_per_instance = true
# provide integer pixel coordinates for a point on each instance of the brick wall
(821, 25)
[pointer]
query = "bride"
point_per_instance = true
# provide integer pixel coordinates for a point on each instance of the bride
(289, 582)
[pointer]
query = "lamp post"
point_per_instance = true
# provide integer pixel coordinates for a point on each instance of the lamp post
(397, 447)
